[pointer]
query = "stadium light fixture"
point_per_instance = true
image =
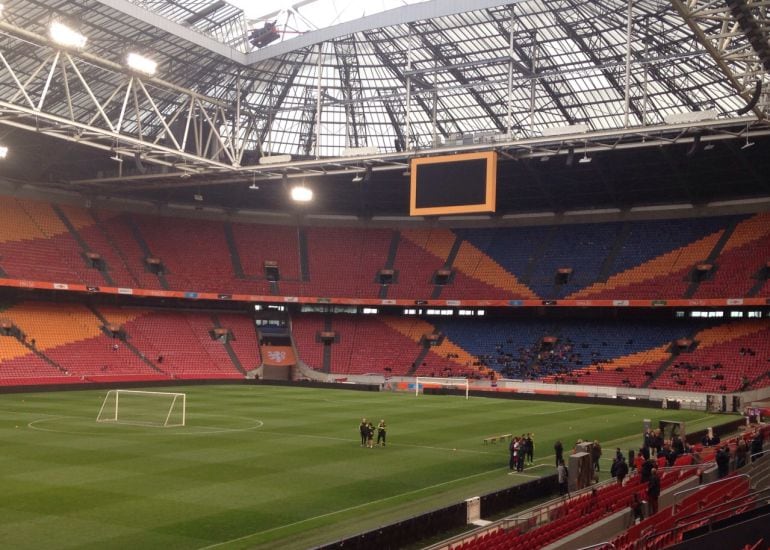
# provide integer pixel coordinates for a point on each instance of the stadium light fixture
(585, 159)
(301, 194)
(141, 64)
(748, 143)
(357, 178)
(3, 151)
(66, 36)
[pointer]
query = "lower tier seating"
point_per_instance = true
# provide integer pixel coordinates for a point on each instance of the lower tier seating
(71, 343)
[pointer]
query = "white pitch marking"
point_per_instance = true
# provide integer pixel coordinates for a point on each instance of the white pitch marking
(349, 509)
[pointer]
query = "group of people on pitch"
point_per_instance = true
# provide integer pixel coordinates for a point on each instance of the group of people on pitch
(522, 449)
(366, 428)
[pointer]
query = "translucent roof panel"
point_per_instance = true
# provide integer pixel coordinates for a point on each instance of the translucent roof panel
(295, 17)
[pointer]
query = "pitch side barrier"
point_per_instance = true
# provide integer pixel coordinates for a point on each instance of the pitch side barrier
(412, 530)
(165, 383)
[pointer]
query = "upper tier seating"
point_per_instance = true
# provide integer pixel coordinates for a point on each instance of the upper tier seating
(640, 259)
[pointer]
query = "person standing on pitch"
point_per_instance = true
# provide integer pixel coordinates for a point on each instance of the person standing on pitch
(558, 449)
(370, 435)
(364, 432)
(381, 432)
(531, 448)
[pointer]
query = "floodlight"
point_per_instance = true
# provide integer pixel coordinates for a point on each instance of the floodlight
(254, 186)
(585, 160)
(3, 151)
(747, 144)
(301, 194)
(141, 64)
(66, 36)
(357, 178)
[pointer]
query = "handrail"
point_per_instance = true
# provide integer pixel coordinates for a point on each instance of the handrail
(607, 544)
(691, 489)
(704, 519)
(702, 511)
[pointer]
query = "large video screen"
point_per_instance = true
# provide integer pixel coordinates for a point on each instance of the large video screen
(453, 184)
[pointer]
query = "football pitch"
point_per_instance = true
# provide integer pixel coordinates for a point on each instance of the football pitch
(267, 466)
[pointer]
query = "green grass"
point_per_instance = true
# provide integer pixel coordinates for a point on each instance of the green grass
(260, 466)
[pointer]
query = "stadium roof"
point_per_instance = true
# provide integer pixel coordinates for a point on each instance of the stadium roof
(528, 78)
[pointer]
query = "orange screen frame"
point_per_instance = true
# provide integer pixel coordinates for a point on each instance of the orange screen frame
(488, 205)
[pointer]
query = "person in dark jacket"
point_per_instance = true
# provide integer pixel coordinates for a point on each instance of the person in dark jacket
(756, 447)
(364, 432)
(653, 491)
(723, 461)
(558, 450)
(621, 469)
(596, 455)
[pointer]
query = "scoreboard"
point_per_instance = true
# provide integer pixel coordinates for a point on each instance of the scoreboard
(453, 184)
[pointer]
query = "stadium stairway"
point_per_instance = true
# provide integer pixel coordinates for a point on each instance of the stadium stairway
(97, 240)
(479, 276)
(448, 263)
(244, 342)
(389, 261)
(620, 239)
(741, 261)
(656, 258)
(137, 234)
(99, 236)
(711, 258)
(304, 262)
(326, 367)
(665, 364)
(228, 348)
(232, 248)
(85, 249)
(421, 253)
(125, 342)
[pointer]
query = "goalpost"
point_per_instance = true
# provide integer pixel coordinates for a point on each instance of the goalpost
(144, 408)
(420, 382)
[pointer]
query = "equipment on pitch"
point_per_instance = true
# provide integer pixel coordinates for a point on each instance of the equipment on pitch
(423, 382)
(144, 408)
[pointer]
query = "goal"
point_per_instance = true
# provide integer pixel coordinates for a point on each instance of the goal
(144, 408)
(422, 382)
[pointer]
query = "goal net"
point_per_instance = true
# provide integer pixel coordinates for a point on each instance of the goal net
(144, 408)
(422, 382)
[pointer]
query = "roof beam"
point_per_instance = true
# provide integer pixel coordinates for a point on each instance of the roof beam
(201, 40)
(397, 16)
(589, 52)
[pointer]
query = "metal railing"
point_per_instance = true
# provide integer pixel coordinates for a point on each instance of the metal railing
(705, 516)
(699, 487)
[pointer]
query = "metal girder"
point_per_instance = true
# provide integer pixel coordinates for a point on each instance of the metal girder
(391, 18)
(438, 55)
(525, 67)
(590, 52)
(214, 45)
(81, 97)
(380, 41)
(537, 147)
(720, 34)
(347, 66)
